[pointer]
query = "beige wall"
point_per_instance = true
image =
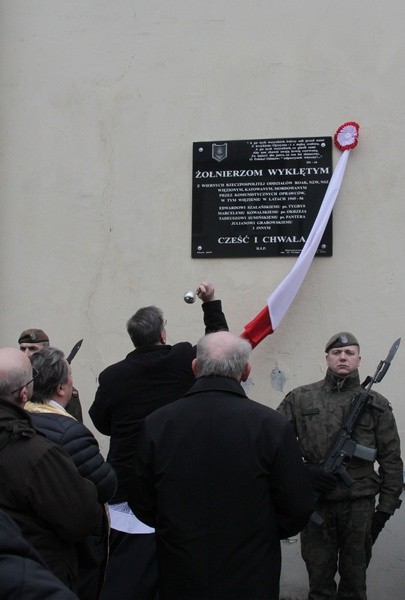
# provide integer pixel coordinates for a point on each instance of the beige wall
(100, 104)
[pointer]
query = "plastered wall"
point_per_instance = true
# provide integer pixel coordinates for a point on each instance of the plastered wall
(100, 104)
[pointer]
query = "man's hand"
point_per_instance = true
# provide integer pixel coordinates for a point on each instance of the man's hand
(377, 524)
(206, 291)
(321, 481)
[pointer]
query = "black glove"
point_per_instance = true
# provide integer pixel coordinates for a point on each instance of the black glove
(377, 524)
(321, 481)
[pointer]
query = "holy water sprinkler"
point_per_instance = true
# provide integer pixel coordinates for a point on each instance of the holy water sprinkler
(190, 297)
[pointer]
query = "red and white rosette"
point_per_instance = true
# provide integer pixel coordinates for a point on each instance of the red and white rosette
(346, 136)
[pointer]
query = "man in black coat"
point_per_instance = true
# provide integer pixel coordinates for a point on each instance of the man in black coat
(221, 479)
(23, 574)
(41, 489)
(153, 375)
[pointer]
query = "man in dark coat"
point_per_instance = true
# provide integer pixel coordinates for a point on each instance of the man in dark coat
(41, 488)
(52, 390)
(150, 377)
(23, 574)
(221, 479)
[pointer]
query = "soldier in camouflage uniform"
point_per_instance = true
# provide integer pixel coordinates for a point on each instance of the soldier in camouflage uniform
(352, 522)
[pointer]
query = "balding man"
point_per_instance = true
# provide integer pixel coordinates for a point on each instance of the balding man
(41, 488)
(221, 479)
(154, 374)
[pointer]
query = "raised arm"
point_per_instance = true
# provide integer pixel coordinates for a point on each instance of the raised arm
(214, 318)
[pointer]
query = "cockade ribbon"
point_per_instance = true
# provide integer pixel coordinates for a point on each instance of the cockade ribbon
(268, 319)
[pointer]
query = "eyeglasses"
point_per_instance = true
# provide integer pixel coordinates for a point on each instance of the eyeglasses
(35, 374)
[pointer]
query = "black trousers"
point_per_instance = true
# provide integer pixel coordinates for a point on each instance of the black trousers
(132, 567)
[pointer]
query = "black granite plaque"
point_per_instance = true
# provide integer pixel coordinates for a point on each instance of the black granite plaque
(259, 197)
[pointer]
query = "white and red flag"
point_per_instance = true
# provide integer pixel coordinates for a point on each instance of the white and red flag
(267, 321)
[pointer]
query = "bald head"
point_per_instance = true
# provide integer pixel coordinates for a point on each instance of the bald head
(15, 372)
(223, 354)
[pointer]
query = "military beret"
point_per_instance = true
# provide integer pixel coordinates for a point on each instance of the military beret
(33, 336)
(339, 340)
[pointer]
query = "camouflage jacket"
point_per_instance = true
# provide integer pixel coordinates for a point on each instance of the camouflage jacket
(316, 412)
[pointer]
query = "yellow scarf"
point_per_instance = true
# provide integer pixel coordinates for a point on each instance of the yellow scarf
(34, 407)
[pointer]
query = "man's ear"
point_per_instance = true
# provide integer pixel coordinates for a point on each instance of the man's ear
(246, 372)
(194, 366)
(23, 396)
(60, 389)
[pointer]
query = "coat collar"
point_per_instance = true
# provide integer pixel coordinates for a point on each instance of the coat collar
(218, 384)
(47, 407)
(14, 423)
(146, 349)
(333, 382)
(12, 412)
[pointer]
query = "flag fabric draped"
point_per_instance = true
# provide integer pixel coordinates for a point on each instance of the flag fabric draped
(268, 319)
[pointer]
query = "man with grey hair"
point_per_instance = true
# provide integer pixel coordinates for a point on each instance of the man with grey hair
(151, 376)
(41, 489)
(221, 479)
(32, 340)
(52, 390)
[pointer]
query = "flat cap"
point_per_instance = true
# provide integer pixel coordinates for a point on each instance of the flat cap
(340, 340)
(33, 336)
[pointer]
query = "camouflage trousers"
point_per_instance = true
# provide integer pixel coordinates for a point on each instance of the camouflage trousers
(341, 545)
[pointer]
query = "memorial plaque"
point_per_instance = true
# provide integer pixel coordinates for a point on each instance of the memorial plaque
(259, 197)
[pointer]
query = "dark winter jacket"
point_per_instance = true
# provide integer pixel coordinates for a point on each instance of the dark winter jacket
(42, 490)
(23, 574)
(79, 443)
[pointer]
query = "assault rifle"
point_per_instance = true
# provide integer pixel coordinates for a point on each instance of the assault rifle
(344, 447)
